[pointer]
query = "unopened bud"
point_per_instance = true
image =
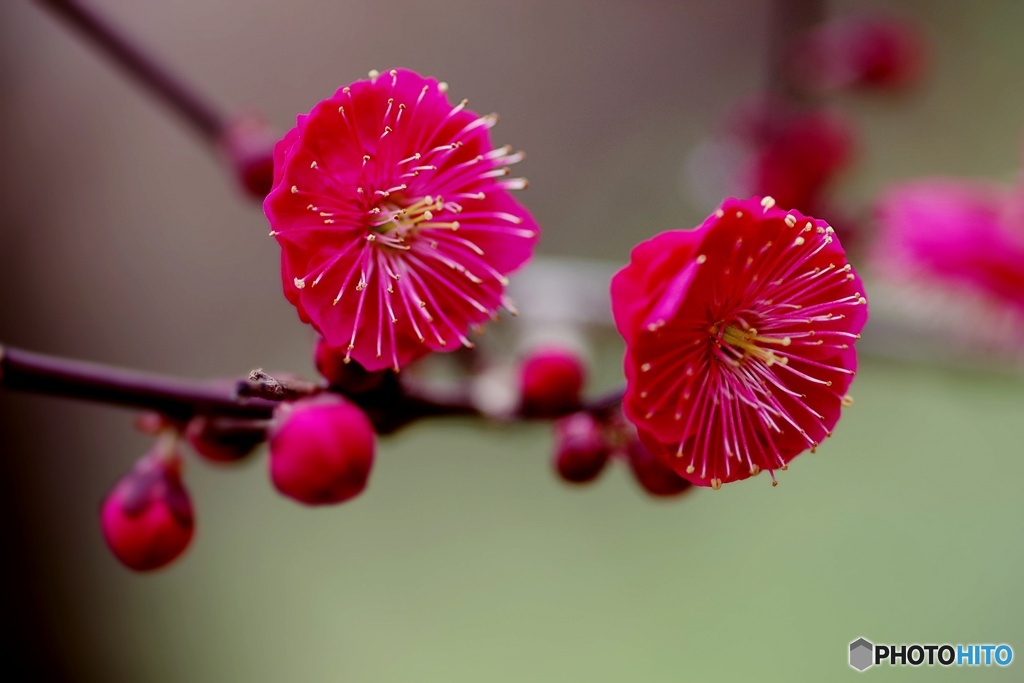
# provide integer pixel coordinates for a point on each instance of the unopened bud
(550, 382)
(248, 145)
(221, 439)
(657, 478)
(580, 448)
(153, 423)
(349, 378)
(867, 52)
(147, 519)
(321, 450)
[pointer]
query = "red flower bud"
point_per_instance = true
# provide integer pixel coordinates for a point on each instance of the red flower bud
(349, 377)
(550, 382)
(248, 145)
(224, 439)
(580, 449)
(147, 519)
(655, 477)
(864, 52)
(154, 423)
(321, 450)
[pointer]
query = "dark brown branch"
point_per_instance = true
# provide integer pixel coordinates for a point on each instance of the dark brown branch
(177, 398)
(261, 385)
(604, 406)
(390, 404)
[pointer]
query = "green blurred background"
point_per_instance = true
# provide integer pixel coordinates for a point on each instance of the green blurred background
(466, 560)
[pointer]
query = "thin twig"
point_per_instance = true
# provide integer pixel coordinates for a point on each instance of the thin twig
(204, 117)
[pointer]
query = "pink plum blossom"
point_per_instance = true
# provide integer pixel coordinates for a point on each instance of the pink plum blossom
(739, 340)
(395, 219)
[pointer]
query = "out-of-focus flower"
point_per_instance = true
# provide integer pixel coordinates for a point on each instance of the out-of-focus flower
(794, 154)
(739, 340)
(581, 450)
(321, 450)
(550, 382)
(865, 52)
(770, 148)
(960, 233)
(395, 220)
(147, 519)
(957, 240)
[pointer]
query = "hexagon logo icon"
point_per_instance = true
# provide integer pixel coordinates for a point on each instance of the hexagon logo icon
(862, 654)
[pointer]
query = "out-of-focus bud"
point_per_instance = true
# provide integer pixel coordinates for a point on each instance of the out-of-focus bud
(248, 145)
(654, 476)
(147, 519)
(580, 448)
(550, 382)
(770, 148)
(349, 378)
(800, 156)
(154, 423)
(224, 439)
(321, 450)
(867, 52)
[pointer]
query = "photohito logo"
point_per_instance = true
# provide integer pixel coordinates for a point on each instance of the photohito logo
(864, 654)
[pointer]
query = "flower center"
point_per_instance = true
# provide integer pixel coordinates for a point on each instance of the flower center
(400, 223)
(745, 342)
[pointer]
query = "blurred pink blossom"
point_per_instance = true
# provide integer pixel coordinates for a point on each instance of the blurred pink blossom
(958, 237)
(862, 52)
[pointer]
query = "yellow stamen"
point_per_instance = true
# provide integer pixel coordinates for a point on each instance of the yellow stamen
(749, 342)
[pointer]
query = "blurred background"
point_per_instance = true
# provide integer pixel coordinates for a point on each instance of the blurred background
(124, 241)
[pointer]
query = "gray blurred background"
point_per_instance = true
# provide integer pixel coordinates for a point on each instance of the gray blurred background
(123, 240)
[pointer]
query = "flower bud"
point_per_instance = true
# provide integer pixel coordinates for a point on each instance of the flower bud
(351, 377)
(657, 478)
(154, 423)
(321, 450)
(864, 52)
(580, 449)
(224, 440)
(147, 519)
(248, 146)
(550, 382)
